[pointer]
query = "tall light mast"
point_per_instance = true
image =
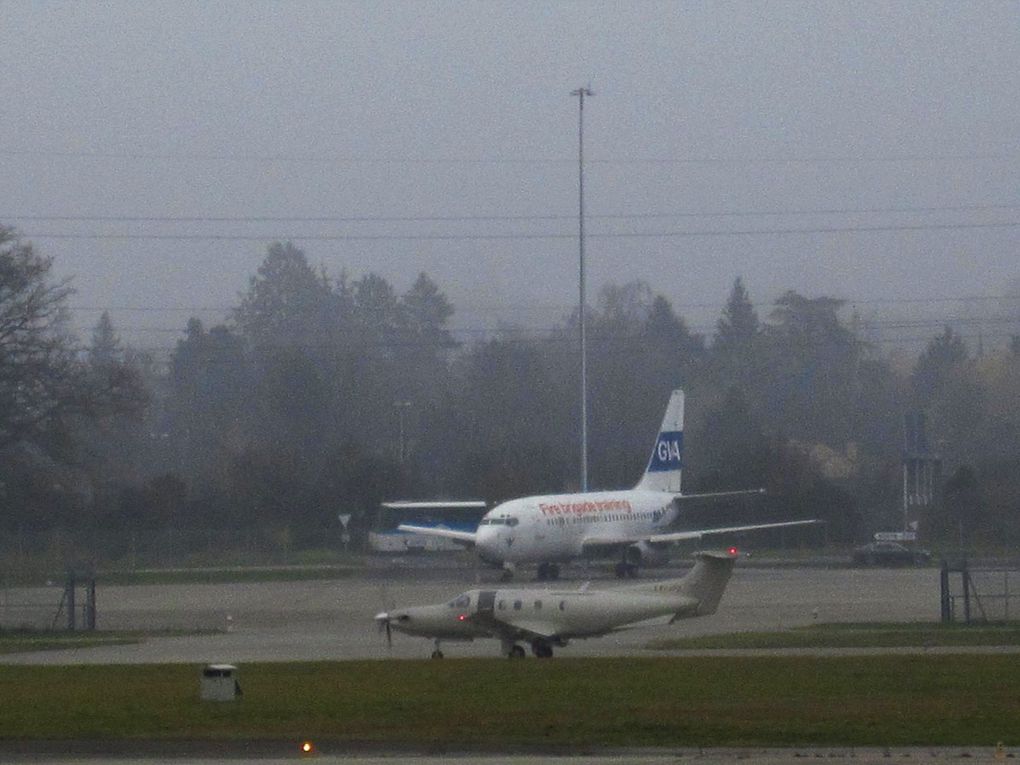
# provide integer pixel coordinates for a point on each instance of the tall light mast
(581, 93)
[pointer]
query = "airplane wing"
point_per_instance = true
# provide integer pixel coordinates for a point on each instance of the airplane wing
(524, 628)
(680, 536)
(466, 538)
(720, 495)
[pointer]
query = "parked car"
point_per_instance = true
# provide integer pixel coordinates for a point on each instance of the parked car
(890, 554)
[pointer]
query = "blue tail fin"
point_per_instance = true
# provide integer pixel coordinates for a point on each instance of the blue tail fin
(666, 463)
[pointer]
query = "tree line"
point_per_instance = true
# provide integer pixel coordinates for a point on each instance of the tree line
(320, 394)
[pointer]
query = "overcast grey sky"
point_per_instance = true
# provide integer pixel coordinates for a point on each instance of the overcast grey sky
(456, 109)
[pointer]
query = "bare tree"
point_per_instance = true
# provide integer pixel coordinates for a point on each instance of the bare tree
(39, 373)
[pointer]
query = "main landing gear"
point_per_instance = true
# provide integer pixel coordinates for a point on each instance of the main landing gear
(625, 570)
(548, 571)
(540, 648)
(436, 653)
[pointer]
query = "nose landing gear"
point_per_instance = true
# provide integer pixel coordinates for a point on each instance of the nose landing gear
(436, 653)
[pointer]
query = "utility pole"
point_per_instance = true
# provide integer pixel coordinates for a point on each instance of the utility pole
(401, 407)
(581, 93)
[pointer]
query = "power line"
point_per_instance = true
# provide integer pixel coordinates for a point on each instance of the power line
(490, 218)
(523, 237)
(563, 307)
(623, 344)
(410, 160)
(888, 324)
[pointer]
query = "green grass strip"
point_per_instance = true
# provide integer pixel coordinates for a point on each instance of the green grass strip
(222, 575)
(23, 645)
(21, 641)
(716, 701)
(878, 635)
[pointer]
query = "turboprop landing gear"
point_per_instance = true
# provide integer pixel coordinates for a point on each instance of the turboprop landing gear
(436, 653)
(541, 649)
(508, 572)
(512, 651)
(548, 571)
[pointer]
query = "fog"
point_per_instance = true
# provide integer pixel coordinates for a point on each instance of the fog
(863, 150)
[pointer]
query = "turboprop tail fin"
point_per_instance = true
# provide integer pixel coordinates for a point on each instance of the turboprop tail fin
(666, 463)
(704, 584)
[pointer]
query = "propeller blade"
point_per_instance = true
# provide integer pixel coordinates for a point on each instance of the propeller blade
(382, 621)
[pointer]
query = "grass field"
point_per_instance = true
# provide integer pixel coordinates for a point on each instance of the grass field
(210, 575)
(20, 641)
(223, 575)
(859, 635)
(876, 701)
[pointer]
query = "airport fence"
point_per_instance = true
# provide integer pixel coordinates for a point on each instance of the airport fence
(979, 594)
(34, 556)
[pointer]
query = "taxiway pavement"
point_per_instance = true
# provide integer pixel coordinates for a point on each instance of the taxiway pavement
(332, 619)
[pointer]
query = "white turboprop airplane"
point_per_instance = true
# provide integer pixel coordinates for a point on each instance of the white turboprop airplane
(556, 528)
(548, 618)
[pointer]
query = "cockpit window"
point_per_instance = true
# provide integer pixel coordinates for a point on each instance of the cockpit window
(461, 601)
(511, 521)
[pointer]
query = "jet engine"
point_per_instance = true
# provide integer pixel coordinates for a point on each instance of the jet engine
(645, 554)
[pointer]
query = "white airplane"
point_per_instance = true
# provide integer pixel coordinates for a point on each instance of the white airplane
(556, 528)
(548, 618)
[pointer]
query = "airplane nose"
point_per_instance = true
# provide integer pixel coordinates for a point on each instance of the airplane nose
(486, 546)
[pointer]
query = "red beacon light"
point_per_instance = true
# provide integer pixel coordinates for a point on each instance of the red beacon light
(462, 617)
(733, 551)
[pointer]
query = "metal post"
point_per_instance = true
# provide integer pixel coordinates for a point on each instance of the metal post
(69, 588)
(966, 593)
(581, 93)
(402, 407)
(90, 605)
(947, 614)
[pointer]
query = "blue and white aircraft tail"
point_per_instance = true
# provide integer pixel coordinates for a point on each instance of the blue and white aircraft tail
(665, 466)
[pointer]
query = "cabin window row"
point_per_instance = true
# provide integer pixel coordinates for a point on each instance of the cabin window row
(518, 605)
(564, 520)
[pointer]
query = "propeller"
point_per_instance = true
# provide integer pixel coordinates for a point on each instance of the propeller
(383, 620)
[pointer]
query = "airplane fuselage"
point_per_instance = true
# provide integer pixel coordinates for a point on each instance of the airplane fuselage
(554, 528)
(552, 617)
(557, 614)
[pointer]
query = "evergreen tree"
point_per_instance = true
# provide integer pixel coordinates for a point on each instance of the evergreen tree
(738, 326)
(105, 349)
